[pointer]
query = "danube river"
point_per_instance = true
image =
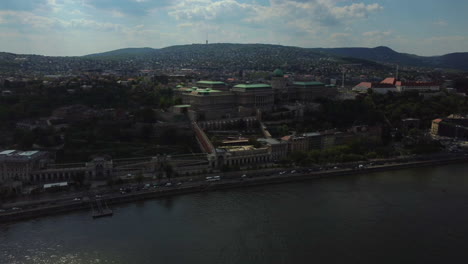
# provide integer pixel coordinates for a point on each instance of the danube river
(408, 216)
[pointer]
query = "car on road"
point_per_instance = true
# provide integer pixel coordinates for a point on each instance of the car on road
(169, 184)
(213, 178)
(16, 208)
(243, 176)
(77, 199)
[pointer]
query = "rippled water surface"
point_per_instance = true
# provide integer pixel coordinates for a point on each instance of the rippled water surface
(410, 216)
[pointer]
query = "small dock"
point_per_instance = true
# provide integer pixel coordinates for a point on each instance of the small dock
(100, 209)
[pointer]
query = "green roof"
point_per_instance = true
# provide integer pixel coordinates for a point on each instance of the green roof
(278, 73)
(309, 83)
(207, 91)
(210, 82)
(253, 86)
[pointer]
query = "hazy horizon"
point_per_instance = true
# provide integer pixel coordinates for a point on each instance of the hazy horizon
(104, 51)
(82, 27)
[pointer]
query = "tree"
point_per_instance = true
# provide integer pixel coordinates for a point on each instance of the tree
(168, 170)
(146, 132)
(283, 130)
(178, 101)
(146, 115)
(139, 178)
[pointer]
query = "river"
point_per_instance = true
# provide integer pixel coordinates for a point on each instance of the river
(407, 216)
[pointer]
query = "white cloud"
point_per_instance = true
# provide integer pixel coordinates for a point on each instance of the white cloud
(441, 23)
(296, 13)
(377, 34)
(32, 21)
(212, 10)
(356, 10)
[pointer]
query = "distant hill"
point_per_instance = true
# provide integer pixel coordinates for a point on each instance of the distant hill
(453, 60)
(226, 56)
(232, 56)
(123, 53)
(222, 56)
(457, 61)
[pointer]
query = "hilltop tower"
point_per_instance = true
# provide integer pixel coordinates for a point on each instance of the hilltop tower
(279, 85)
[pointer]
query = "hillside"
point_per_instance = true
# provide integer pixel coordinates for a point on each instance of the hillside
(225, 56)
(122, 53)
(457, 61)
(271, 54)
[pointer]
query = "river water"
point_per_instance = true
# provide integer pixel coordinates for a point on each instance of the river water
(408, 216)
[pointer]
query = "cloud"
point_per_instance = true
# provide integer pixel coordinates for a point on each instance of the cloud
(30, 21)
(128, 7)
(356, 10)
(21, 5)
(377, 34)
(441, 23)
(208, 10)
(279, 13)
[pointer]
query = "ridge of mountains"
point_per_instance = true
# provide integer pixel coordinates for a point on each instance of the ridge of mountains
(237, 56)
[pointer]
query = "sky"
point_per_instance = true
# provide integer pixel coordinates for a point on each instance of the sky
(80, 27)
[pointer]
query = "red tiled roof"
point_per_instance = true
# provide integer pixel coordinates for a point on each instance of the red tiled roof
(438, 120)
(365, 85)
(389, 81)
(370, 85)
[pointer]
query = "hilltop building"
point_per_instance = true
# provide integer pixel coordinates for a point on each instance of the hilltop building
(393, 85)
(254, 96)
(216, 85)
(309, 91)
(208, 103)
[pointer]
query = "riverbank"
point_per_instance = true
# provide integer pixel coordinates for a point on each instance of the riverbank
(202, 186)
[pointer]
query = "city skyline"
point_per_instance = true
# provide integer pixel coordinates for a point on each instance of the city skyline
(80, 27)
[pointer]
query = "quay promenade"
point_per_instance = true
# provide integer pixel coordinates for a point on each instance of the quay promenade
(228, 181)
